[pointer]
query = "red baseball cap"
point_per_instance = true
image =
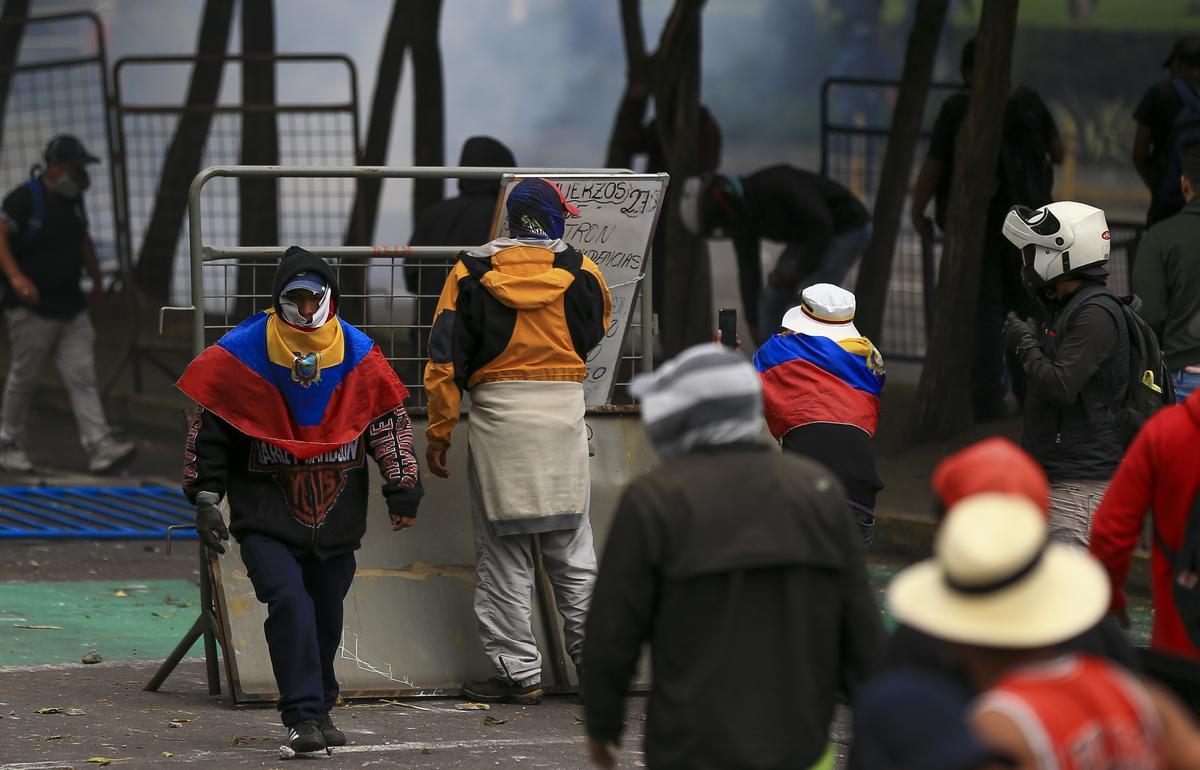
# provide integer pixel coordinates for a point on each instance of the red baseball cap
(992, 465)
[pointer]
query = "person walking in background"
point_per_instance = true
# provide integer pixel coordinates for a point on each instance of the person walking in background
(1168, 117)
(1077, 367)
(823, 225)
(44, 248)
(822, 381)
(513, 326)
(1030, 147)
(1166, 276)
(290, 403)
(765, 607)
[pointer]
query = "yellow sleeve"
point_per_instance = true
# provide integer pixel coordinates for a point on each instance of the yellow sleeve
(441, 386)
(594, 269)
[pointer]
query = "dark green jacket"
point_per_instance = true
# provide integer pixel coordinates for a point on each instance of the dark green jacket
(1166, 276)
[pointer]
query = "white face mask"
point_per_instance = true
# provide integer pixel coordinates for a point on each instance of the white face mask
(291, 312)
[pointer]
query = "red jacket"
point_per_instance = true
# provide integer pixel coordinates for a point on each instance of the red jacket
(1159, 472)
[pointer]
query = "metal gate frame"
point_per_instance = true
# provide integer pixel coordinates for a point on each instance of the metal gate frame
(140, 348)
(200, 253)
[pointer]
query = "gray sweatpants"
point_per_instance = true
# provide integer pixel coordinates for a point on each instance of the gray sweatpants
(1072, 505)
(71, 343)
(505, 589)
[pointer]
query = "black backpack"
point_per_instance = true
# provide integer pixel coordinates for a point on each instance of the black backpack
(1185, 572)
(1149, 387)
(1185, 129)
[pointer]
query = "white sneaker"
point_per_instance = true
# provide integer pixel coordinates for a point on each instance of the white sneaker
(106, 456)
(14, 460)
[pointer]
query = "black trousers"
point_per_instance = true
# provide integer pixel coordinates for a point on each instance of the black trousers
(304, 597)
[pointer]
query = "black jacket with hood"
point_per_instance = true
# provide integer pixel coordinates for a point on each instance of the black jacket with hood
(465, 220)
(1076, 382)
(317, 505)
(765, 608)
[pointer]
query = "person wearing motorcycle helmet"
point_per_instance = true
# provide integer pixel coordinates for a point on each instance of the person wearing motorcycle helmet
(1077, 365)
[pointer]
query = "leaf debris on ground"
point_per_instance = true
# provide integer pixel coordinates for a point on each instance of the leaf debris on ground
(102, 761)
(577, 721)
(413, 706)
(472, 706)
(489, 720)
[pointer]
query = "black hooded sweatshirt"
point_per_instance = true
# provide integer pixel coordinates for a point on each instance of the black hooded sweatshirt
(317, 505)
(462, 221)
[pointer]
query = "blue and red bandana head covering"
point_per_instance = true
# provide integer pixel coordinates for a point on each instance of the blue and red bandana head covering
(535, 210)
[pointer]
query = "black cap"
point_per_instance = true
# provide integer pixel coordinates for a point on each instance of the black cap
(65, 148)
(298, 260)
(1187, 49)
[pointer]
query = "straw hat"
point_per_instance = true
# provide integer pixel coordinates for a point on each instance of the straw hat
(997, 581)
(825, 310)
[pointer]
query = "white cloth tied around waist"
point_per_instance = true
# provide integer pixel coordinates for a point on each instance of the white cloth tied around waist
(529, 455)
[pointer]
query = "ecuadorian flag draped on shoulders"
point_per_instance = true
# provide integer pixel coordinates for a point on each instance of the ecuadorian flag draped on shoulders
(808, 379)
(305, 391)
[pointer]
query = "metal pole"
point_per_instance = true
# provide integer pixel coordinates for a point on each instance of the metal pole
(648, 314)
(196, 247)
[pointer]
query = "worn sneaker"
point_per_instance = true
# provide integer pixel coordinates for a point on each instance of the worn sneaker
(333, 736)
(14, 460)
(110, 454)
(497, 690)
(304, 737)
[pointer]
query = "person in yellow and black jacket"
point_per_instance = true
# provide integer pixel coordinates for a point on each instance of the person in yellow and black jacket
(513, 326)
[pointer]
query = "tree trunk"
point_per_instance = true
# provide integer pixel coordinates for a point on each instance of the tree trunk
(687, 311)
(429, 114)
(182, 161)
(12, 28)
(943, 407)
(258, 198)
(365, 210)
(627, 125)
(875, 270)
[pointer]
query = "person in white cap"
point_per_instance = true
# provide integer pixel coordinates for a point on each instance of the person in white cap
(1006, 598)
(821, 386)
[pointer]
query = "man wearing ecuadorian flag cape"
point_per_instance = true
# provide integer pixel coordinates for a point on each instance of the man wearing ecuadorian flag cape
(290, 403)
(821, 386)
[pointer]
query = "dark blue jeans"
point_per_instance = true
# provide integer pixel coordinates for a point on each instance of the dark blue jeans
(304, 621)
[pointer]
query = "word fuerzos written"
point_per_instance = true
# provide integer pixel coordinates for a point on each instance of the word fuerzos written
(635, 201)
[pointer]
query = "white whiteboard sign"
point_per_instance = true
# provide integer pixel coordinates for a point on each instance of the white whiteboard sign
(615, 226)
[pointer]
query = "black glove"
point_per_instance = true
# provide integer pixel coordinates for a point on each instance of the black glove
(1019, 336)
(210, 527)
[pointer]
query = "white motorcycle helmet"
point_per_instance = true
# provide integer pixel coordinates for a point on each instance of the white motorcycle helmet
(1057, 241)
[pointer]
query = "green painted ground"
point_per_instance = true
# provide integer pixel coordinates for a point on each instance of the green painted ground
(120, 621)
(130, 621)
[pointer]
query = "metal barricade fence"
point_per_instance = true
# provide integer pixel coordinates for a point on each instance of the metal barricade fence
(54, 89)
(387, 309)
(855, 124)
(323, 130)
